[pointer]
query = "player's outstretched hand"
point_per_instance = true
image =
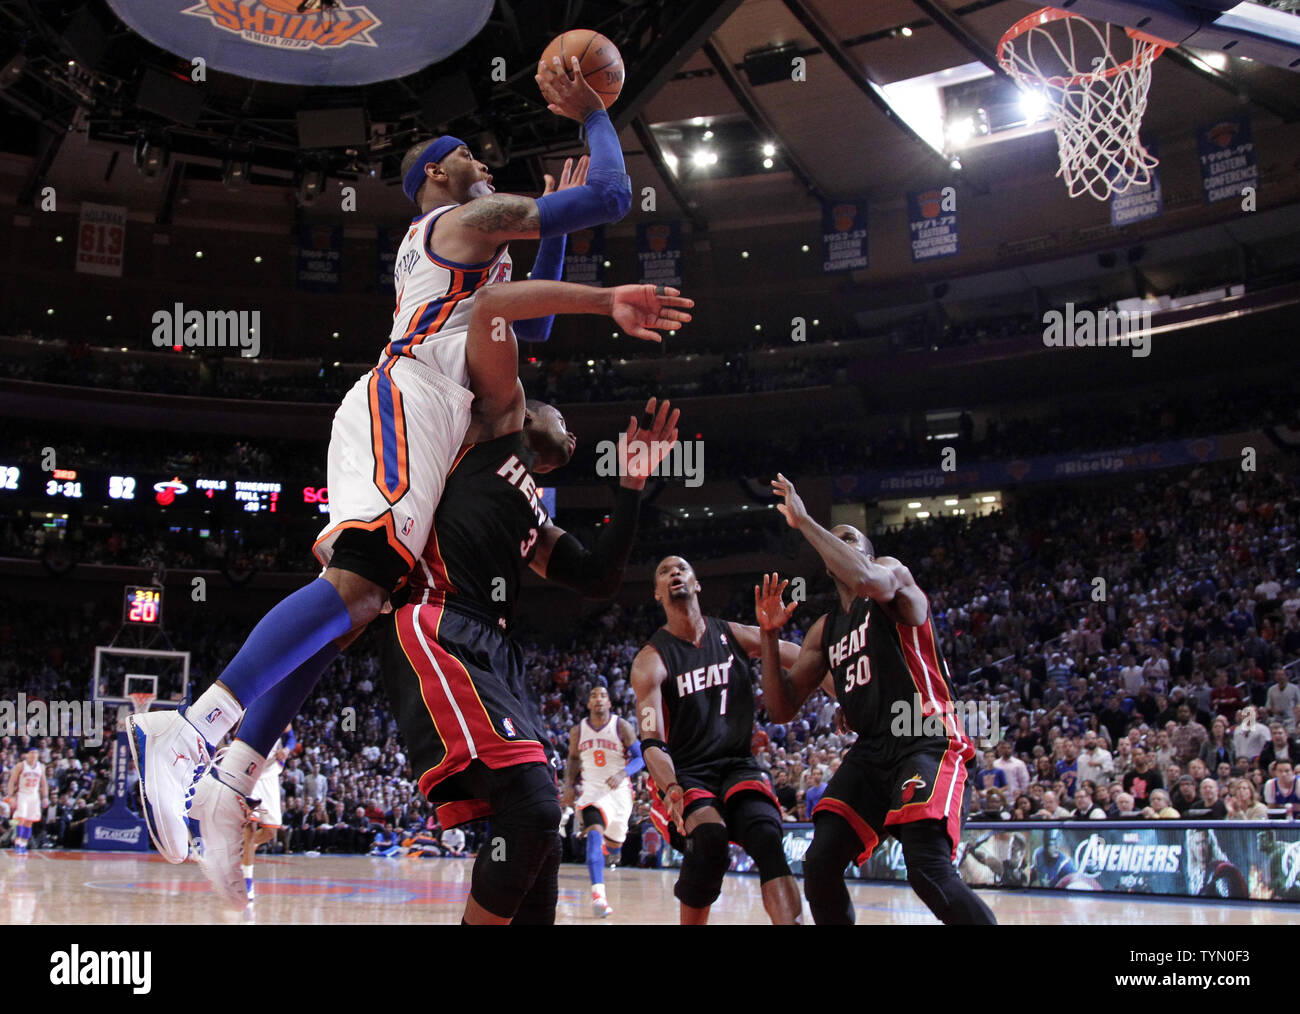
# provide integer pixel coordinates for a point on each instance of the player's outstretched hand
(769, 609)
(675, 801)
(646, 448)
(570, 176)
(566, 91)
(644, 310)
(793, 509)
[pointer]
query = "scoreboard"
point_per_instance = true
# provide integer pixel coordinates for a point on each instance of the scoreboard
(155, 493)
(142, 606)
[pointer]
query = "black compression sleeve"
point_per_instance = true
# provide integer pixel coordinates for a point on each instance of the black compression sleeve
(598, 573)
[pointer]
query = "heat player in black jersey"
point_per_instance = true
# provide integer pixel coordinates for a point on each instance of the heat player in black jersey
(906, 774)
(456, 679)
(695, 708)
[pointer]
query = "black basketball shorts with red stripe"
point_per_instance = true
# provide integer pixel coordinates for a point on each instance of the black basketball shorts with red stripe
(875, 795)
(456, 682)
(714, 784)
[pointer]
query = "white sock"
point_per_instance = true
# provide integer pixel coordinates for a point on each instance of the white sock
(241, 767)
(214, 714)
(598, 891)
(247, 871)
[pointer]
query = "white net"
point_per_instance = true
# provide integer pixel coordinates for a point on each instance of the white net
(1094, 80)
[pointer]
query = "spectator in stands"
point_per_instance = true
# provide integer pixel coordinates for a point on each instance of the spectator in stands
(1085, 808)
(453, 842)
(1051, 809)
(1013, 769)
(1185, 796)
(1067, 768)
(990, 776)
(1189, 737)
(1281, 790)
(1279, 747)
(1024, 808)
(1212, 801)
(1218, 748)
(1160, 807)
(813, 794)
(1283, 698)
(1243, 801)
(1143, 778)
(1122, 807)
(785, 794)
(1250, 737)
(994, 806)
(1095, 762)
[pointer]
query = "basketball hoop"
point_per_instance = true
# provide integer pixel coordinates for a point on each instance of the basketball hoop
(1095, 86)
(142, 700)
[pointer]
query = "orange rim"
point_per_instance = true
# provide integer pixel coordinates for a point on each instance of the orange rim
(1045, 15)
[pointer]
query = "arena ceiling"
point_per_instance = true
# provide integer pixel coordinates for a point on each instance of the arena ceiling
(82, 96)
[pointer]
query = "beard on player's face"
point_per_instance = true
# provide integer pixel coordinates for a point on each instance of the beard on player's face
(547, 438)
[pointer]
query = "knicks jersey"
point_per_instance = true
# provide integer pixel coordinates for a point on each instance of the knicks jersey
(708, 696)
(892, 683)
(602, 755)
(434, 300)
(29, 782)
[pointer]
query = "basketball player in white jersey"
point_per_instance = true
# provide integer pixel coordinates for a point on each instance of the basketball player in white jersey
(394, 439)
(268, 818)
(27, 780)
(608, 752)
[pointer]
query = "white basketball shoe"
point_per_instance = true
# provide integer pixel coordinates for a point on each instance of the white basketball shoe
(217, 816)
(168, 753)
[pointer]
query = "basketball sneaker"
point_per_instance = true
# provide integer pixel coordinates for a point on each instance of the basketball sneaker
(217, 814)
(168, 753)
(599, 906)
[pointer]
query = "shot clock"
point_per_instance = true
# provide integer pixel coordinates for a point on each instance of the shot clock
(142, 606)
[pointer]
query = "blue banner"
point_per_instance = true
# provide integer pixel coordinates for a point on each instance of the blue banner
(1138, 203)
(1228, 161)
(659, 253)
(350, 42)
(320, 249)
(932, 222)
(844, 236)
(1054, 467)
(118, 829)
(584, 257)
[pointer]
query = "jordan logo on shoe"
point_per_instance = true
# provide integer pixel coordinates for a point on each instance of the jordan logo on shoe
(179, 756)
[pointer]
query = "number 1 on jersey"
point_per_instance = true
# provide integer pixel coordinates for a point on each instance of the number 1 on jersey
(724, 701)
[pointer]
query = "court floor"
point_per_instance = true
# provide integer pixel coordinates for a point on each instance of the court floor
(129, 888)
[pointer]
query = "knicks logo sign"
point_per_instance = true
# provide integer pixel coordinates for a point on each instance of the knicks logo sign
(282, 23)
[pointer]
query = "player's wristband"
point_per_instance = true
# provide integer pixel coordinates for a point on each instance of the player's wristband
(663, 793)
(646, 744)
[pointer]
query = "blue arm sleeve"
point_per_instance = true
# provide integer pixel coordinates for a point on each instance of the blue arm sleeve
(290, 741)
(607, 194)
(548, 266)
(635, 762)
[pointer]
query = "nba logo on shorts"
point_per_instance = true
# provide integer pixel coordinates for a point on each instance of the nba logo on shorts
(408, 525)
(509, 726)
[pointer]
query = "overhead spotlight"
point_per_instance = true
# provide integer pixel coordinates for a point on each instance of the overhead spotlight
(744, 254)
(702, 157)
(149, 156)
(257, 259)
(12, 71)
(606, 263)
(1033, 105)
(769, 149)
(960, 131)
(698, 121)
(767, 163)
(235, 171)
(906, 32)
(954, 163)
(708, 135)
(804, 248)
(310, 185)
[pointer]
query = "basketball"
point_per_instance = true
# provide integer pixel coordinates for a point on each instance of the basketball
(599, 59)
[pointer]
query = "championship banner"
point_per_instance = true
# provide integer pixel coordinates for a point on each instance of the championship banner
(1138, 203)
(389, 240)
(101, 239)
(932, 223)
(1194, 859)
(1228, 161)
(584, 257)
(844, 236)
(659, 253)
(309, 42)
(320, 249)
(1053, 467)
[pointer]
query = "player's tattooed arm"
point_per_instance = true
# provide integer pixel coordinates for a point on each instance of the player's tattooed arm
(571, 767)
(500, 217)
(784, 690)
(648, 675)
